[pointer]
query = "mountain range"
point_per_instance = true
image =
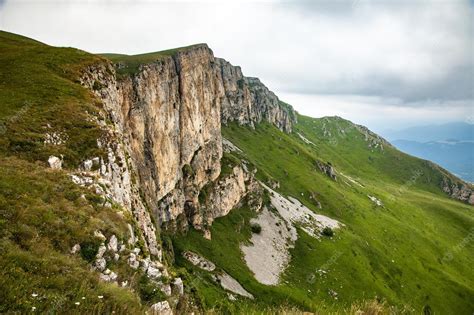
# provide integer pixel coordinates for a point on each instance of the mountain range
(449, 145)
(170, 183)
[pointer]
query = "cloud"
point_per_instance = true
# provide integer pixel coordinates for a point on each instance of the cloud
(417, 52)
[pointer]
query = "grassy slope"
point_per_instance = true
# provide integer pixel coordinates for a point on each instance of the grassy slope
(129, 64)
(394, 252)
(42, 213)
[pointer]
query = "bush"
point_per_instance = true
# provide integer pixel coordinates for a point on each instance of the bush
(256, 228)
(327, 231)
(89, 250)
(149, 291)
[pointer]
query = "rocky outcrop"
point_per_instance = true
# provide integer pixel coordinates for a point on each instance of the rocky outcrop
(228, 192)
(248, 101)
(167, 116)
(458, 190)
(326, 168)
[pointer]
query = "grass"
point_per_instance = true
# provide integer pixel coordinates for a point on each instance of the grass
(39, 95)
(415, 252)
(394, 252)
(130, 64)
(42, 216)
(42, 213)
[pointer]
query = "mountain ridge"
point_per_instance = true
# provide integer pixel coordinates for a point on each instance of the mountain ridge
(134, 171)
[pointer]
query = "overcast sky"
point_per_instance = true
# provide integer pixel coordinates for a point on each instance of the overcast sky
(385, 64)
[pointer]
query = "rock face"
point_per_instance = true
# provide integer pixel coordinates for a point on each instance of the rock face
(227, 193)
(458, 190)
(168, 116)
(248, 102)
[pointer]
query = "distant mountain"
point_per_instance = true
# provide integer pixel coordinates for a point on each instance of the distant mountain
(455, 130)
(455, 156)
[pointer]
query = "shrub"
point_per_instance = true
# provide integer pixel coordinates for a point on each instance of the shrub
(89, 250)
(327, 231)
(188, 170)
(256, 228)
(149, 291)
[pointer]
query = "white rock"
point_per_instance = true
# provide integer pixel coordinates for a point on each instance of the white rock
(166, 289)
(87, 165)
(145, 263)
(153, 272)
(124, 284)
(55, 163)
(113, 243)
(107, 271)
(116, 257)
(101, 251)
(104, 277)
(113, 276)
(132, 261)
(136, 251)
(100, 264)
(178, 286)
(199, 261)
(161, 308)
(75, 249)
(99, 234)
(132, 240)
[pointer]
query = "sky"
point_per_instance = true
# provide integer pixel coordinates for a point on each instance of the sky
(384, 64)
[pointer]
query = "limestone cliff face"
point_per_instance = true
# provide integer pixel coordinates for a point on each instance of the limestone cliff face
(168, 116)
(248, 101)
(228, 192)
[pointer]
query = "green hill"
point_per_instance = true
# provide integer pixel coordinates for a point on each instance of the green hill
(412, 253)
(395, 252)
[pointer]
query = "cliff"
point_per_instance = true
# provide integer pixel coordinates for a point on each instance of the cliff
(168, 113)
(247, 101)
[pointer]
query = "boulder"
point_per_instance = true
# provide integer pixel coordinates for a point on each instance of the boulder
(100, 264)
(178, 286)
(55, 163)
(113, 243)
(75, 249)
(161, 308)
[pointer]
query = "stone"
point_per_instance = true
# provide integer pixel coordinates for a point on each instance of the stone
(178, 286)
(199, 261)
(113, 244)
(99, 235)
(132, 261)
(75, 249)
(113, 276)
(100, 264)
(166, 289)
(101, 251)
(55, 163)
(87, 165)
(161, 308)
(104, 277)
(132, 240)
(116, 257)
(136, 251)
(145, 263)
(153, 272)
